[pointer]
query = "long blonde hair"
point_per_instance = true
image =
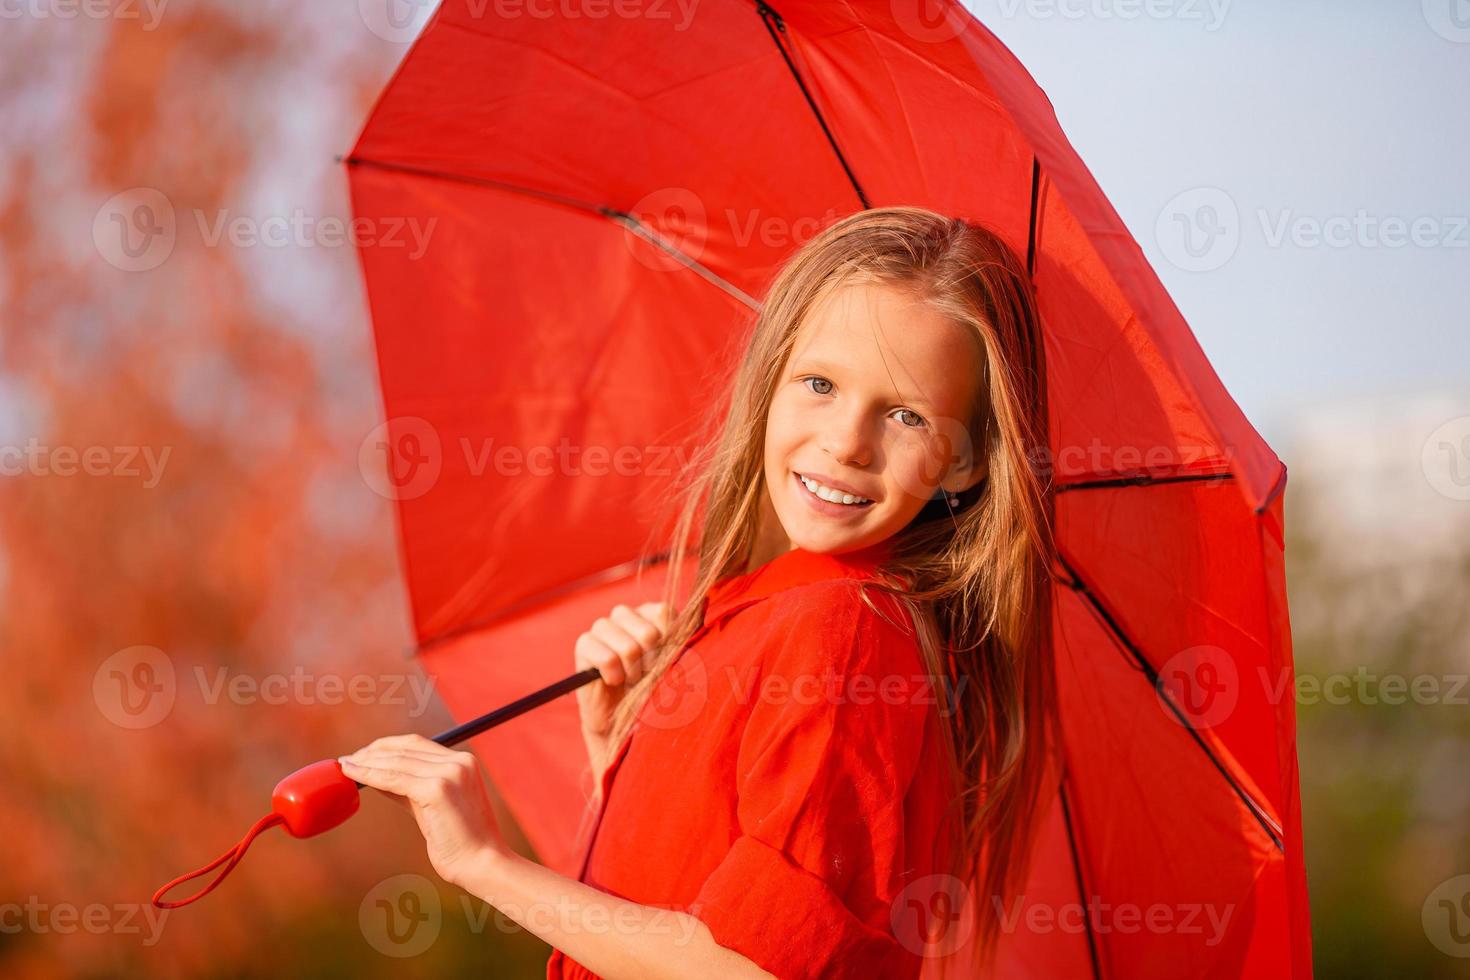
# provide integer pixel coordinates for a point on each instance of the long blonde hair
(978, 576)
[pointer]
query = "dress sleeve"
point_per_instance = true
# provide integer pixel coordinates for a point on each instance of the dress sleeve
(831, 743)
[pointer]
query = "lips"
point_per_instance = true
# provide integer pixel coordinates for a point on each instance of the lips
(832, 484)
(827, 507)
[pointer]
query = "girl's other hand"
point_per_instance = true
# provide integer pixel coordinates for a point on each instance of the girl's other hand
(444, 789)
(616, 645)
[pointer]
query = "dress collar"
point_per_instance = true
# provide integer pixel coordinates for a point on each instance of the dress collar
(792, 568)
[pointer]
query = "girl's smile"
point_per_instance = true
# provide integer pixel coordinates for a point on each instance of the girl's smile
(826, 498)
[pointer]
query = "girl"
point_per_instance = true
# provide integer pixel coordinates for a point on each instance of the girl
(824, 762)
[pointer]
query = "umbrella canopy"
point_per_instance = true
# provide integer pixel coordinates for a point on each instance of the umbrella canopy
(612, 189)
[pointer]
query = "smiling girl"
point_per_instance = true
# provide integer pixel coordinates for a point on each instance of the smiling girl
(825, 760)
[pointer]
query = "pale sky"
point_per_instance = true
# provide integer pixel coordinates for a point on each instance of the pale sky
(1295, 114)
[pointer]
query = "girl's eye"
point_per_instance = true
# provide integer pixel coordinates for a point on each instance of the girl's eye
(909, 417)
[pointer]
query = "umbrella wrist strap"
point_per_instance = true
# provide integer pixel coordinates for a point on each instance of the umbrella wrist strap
(229, 859)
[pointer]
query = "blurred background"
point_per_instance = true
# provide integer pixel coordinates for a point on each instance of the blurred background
(183, 507)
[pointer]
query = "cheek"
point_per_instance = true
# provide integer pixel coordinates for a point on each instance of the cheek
(912, 470)
(782, 431)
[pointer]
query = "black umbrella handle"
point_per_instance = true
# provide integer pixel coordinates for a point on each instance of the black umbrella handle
(516, 708)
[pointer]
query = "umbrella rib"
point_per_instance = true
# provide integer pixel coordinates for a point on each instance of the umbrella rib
(1274, 492)
(638, 228)
(1031, 223)
(628, 221)
(1096, 482)
(1077, 873)
(774, 23)
(1268, 824)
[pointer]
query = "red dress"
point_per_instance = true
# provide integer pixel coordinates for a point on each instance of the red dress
(786, 782)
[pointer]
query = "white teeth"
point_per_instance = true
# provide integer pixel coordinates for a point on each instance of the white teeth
(835, 496)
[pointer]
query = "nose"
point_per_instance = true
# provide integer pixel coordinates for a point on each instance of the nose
(847, 441)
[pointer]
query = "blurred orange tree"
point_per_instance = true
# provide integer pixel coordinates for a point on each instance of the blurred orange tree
(200, 591)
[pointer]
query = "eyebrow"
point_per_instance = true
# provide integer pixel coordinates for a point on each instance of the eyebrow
(817, 365)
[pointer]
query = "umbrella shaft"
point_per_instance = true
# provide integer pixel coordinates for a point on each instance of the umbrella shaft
(504, 713)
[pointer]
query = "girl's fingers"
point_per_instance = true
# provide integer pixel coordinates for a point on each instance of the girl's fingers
(386, 755)
(378, 779)
(642, 637)
(410, 754)
(412, 779)
(592, 652)
(403, 763)
(658, 613)
(643, 630)
(385, 778)
(617, 643)
(410, 741)
(618, 639)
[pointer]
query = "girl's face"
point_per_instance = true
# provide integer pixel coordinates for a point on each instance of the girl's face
(868, 418)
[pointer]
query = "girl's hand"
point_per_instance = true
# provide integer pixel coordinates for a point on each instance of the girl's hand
(445, 791)
(616, 645)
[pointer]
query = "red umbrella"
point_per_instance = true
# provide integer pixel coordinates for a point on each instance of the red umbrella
(611, 189)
